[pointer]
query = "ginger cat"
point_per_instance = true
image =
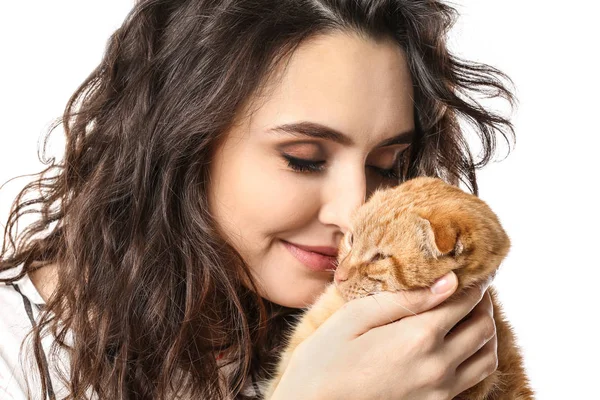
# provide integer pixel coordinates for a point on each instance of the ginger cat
(406, 237)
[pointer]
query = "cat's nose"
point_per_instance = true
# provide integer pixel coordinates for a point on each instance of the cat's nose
(340, 276)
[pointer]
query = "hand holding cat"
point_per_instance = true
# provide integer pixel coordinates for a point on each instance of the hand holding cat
(359, 353)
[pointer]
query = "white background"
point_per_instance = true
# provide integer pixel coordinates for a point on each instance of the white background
(545, 192)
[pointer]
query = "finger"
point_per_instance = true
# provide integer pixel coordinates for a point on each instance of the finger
(445, 316)
(472, 334)
(478, 367)
(360, 315)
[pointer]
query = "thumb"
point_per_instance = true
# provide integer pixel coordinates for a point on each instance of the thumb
(360, 315)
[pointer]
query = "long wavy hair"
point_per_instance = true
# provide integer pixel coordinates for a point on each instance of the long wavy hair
(146, 284)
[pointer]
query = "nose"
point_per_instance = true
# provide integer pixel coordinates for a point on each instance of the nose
(340, 275)
(342, 197)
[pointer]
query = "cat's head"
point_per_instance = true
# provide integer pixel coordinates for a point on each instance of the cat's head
(407, 237)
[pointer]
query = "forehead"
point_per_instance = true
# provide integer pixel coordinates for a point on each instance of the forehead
(355, 85)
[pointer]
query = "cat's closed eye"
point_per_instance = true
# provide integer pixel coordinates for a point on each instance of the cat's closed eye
(378, 256)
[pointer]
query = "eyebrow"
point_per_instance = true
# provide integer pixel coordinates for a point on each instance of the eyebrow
(318, 131)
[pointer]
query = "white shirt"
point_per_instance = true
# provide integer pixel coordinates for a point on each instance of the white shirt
(20, 306)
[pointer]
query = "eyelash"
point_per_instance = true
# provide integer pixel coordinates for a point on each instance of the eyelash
(300, 165)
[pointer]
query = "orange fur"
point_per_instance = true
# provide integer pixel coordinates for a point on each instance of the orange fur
(406, 237)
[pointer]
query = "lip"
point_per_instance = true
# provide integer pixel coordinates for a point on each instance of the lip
(313, 260)
(324, 250)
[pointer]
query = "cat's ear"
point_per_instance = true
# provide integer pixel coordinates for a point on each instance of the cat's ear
(438, 237)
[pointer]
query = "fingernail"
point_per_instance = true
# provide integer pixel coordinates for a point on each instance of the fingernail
(442, 285)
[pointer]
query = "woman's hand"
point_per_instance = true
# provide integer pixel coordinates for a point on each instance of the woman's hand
(359, 354)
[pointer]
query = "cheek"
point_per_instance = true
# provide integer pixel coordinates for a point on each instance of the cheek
(255, 193)
(381, 278)
(273, 197)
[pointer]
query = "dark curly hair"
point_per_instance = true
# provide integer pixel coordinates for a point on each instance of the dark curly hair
(146, 284)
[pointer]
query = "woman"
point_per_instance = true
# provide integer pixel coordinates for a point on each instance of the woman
(212, 142)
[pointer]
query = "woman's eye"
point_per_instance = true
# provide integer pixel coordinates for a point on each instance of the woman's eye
(301, 165)
(391, 173)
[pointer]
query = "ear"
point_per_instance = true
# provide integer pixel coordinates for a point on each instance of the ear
(438, 237)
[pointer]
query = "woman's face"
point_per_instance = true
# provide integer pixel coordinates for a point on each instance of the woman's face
(361, 89)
